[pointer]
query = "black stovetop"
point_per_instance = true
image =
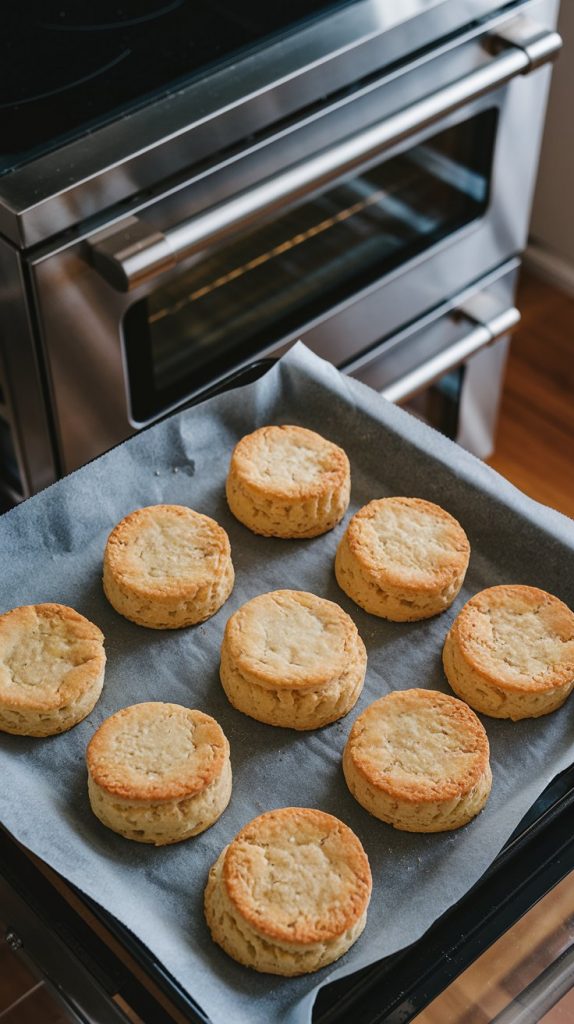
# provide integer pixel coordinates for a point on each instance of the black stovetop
(70, 66)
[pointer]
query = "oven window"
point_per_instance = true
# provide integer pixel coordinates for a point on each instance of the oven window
(272, 281)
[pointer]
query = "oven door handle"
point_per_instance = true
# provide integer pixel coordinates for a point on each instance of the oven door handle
(133, 255)
(484, 333)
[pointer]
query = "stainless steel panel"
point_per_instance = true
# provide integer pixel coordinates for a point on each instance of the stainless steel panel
(480, 399)
(111, 164)
(81, 330)
(417, 356)
(24, 393)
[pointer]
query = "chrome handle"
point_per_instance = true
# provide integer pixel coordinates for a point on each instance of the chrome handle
(131, 256)
(483, 334)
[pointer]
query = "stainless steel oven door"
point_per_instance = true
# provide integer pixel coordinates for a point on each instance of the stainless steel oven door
(448, 367)
(341, 228)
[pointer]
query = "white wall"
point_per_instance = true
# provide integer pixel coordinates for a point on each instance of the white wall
(552, 227)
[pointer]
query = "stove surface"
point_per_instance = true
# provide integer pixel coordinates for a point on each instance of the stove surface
(101, 102)
(70, 67)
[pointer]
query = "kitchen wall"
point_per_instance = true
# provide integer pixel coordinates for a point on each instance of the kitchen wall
(551, 250)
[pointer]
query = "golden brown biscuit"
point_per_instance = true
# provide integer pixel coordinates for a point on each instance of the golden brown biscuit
(510, 652)
(402, 559)
(52, 664)
(288, 482)
(158, 773)
(167, 566)
(419, 760)
(292, 659)
(290, 892)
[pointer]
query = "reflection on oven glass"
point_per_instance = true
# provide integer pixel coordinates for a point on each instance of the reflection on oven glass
(274, 280)
(527, 976)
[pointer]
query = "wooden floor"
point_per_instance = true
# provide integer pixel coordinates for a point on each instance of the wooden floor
(535, 439)
(505, 970)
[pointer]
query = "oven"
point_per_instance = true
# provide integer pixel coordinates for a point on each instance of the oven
(363, 184)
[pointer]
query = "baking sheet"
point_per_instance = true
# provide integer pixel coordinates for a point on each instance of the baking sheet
(51, 550)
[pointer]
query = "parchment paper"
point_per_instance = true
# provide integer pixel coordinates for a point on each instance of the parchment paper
(51, 550)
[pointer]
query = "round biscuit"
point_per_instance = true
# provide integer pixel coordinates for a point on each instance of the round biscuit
(292, 659)
(166, 566)
(402, 558)
(510, 652)
(158, 773)
(52, 663)
(287, 481)
(290, 892)
(419, 760)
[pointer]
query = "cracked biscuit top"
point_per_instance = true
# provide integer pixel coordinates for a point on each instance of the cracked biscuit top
(289, 462)
(290, 639)
(517, 637)
(298, 875)
(157, 751)
(408, 543)
(166, 550)
(50, 656)
(419, 746)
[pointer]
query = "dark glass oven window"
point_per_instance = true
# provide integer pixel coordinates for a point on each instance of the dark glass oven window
(272, 281)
